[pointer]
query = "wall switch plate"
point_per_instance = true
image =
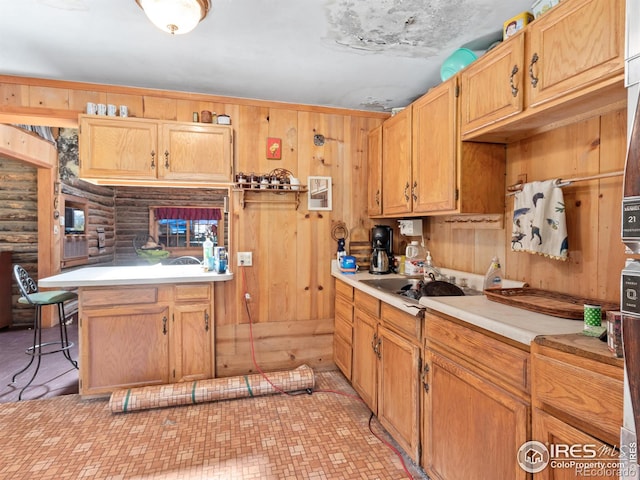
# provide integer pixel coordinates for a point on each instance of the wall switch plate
(245, 259)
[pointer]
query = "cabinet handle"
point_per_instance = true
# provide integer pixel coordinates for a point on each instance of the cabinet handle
(534, 79)
(413, 191)
(423, 377)
(378, 345)
(164, 325)
(153, 159)
(166, 159)
(374, 342)
(206, 321)
(514, 89)
(406, 192)
(378, 197)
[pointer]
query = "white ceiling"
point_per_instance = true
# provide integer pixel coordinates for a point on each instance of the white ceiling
(360, 54)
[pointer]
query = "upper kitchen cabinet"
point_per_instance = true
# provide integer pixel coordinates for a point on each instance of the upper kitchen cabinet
(492, 87)
(396, 164)
(565, 65)
(426, 170)
(192, 151)
(374, 202)
(118, 148)
(115, 149)
(580, 46)
(434, 144)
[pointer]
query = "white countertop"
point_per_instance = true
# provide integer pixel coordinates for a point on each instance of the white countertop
(132, 275)
(514, 323)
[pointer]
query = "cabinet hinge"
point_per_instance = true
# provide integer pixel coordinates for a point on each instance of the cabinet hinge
(457, 91)
(174, 373)
(457, 194)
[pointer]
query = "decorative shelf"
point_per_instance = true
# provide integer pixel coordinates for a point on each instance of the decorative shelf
(284, 194)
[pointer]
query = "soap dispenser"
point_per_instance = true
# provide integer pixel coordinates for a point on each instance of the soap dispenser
(431, 272)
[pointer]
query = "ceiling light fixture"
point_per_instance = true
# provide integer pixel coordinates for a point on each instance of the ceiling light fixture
(175, 16)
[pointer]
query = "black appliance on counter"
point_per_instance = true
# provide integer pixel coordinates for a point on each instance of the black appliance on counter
(382, 254)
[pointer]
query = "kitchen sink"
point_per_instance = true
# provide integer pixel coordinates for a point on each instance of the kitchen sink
(409, 289)
(393, 285)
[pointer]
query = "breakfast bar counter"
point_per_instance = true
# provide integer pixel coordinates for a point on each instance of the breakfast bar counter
(142, 325)
(132, 275)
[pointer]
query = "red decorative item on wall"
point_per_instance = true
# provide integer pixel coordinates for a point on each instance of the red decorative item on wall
(274, 148)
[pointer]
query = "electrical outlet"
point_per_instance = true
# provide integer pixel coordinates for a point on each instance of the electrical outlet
(245, 259)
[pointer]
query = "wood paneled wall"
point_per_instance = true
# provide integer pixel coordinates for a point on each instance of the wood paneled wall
(596, 253)
(290, 283)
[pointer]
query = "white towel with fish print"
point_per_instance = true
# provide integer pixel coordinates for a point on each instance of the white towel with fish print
(539, 224)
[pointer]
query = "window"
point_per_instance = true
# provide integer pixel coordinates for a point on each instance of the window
(186, 228)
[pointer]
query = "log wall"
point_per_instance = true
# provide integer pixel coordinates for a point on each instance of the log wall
(19, 225)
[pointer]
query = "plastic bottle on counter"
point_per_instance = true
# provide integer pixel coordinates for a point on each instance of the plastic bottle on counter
(207, 254)
(431, 272)
(493, 278)
(414, 259)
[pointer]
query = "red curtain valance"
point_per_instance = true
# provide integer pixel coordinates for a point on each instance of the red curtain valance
(182, 213)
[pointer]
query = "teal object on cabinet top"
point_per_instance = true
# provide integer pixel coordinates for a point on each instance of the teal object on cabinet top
(456, 62)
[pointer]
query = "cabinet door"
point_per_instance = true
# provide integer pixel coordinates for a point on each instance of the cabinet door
(375, 172)
(549, 430)
(118, 148)
(191, 342)
(492, 87)
(195, 152)
(398, 390)
(396, 163)
(435, 149)
(578, 44)
(472, 428)
(365, 359)
(123, 347)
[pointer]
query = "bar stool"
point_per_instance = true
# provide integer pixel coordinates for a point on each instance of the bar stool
(31, 296)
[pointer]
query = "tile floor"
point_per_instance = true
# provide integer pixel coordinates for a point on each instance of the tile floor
(316, 437)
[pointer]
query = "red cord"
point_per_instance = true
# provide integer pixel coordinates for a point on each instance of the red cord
(336, 392)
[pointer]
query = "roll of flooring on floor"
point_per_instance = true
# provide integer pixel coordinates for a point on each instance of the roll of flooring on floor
(212, 390)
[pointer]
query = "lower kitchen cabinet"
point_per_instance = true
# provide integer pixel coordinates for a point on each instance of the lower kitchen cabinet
(123, 347)
(577, 394)
(190, 326)
(399, 380)
(475, 403)
(366, 344)
(386, 367)
(343, 328)
(155, 335)
(551, 431)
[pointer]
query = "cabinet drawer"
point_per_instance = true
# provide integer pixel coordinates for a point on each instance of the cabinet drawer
(114, 297)
(342, 355)
(401, 322)
(505, 364)
(344, 289)
(192, 292)
(367, 303)
(343, 329)
(344, 310)
(589, 392)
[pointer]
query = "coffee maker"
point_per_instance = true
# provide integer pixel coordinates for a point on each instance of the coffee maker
(382, 245)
